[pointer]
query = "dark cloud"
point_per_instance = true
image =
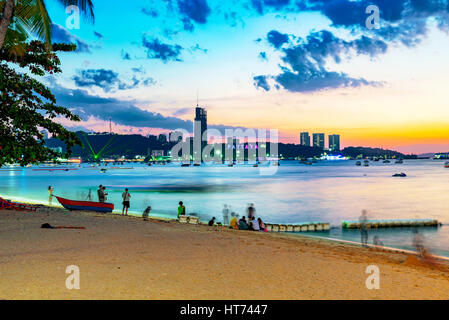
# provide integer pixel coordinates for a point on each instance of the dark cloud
(98, 35)
(162, 51)
(109, 80)
(125, 55)
(61, 35)
(261, 82)
(304, 68)
(195, 10)
(105, 79)
(121, 111)
(277, 39)
(263, 56)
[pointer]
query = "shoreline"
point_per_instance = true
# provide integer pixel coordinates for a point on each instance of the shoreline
(161, 218)
(126, 258)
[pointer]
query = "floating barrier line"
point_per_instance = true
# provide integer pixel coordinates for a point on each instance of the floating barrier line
(303, 227)
(391, 223)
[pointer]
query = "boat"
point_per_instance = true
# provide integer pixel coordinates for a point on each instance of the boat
(358, 163)
(197, 165)
(386, 161)
(103, 170)
(446, 164)
(402, 174)
(366, 163)
(399, 161)
(85, 205)
(185, 165)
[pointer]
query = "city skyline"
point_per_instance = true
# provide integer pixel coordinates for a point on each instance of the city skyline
(377, 88)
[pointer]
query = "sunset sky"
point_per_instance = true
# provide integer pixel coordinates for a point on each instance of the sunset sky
(291, 65)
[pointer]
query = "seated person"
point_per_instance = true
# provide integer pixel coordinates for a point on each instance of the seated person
(261, 224)
(255, 224)
(212, 221)
(242, 224)
(234, 224)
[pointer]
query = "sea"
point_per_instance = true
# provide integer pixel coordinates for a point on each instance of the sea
(326, 191)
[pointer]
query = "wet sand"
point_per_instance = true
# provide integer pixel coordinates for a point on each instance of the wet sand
(127, 258)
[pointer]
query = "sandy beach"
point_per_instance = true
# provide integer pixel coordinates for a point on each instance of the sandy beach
(128, 258)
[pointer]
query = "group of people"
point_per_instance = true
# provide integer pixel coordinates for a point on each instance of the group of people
(241, 224)
(126, 196)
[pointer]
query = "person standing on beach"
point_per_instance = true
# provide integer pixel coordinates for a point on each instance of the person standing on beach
(100, 193)
(251, 211)
(104, 194)
(363, 228)
(181, 209)
(225, 215)
(50, 194)
(126, 197)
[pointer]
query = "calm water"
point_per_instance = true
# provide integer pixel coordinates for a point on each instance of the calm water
(326, 191)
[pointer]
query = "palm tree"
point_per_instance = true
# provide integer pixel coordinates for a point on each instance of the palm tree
(31, 17)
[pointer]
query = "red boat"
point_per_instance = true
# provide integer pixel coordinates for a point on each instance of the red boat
(85, 205)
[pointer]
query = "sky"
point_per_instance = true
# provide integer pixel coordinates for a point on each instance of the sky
(291, 65)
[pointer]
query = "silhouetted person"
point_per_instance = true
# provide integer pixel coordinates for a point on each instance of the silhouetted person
(100, 193)
(251, 211)
(363, 228)
(225, 215)
(212, 222)
(146, 213)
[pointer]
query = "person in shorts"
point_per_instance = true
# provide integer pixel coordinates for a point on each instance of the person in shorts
(126, 197)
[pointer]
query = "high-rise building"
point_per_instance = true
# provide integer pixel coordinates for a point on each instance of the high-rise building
(318, 140)
(162, 138)
(334, 142)
(304, 139)
(201, 121)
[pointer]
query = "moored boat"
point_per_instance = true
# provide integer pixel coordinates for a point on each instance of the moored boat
(85, 205)
(446, 164)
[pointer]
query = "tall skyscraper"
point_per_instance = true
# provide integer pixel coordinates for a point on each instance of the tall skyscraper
(199, 132)
(334, 142)
(318, 140)
(304, 139)
(201, 121)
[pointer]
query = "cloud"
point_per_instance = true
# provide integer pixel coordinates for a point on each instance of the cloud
(277, 39)
(194, 10)
(98, 35)
(261, 82)
(61, 35)
(305, 61)
(121, 112)
(158, 50)
(263, 56)
(125, 55)
(109, 80)
(262, 6)
(105, 79)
